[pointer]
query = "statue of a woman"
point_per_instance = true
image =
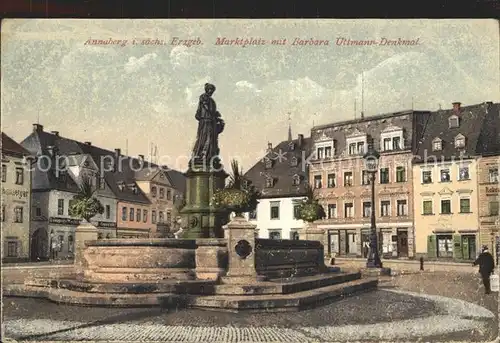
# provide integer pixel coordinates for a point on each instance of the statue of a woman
(210, 125)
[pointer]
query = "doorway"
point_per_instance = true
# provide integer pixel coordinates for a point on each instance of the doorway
(39, 245)
(469, 247)
(402, 242)
(333, 243)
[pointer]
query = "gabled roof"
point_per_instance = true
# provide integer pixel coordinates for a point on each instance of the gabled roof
(476, 124)
(11, 147)
(282, 171)
(38, 142)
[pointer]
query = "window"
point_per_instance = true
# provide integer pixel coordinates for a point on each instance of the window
(102, 182)
(4, 173)
(169, 194)
(70, 243)
(296, 211)
(19, 176)
(3, 213)
(400, 174)
(437, 144)
(463, 173)
(493, 175)
(331, 180)
(445, 175)
(11, 249)
(352, 149)
(367, 209)
(269, 182)
(294, 235)
(124, 213)
(253, 215)
(161, 218)
(385, 208)
(453, 122)
(274, 234)
(347, 179)
(18, 212)
(332, 211)
(494, 207)
(153, 192)
(275, 210)
(328, 152)
(427, 176)
(402, 208)
(138, 215)
(131, 215)
(427, 207)
(387, 144)
(296, 180)
(108, 211)
(293, 161)
(38, 212)
(320, 153)
(396, 143)
(145, 216)
(169, 217)
(464, 205)
(153, 217)
(162, 192)
(384, 175)
(269, 163)
(445, 206)
(348, 210)
(445, 246)
(460, 142)
(317, 181)
(360, 147)
(60, 207)
(365, 178)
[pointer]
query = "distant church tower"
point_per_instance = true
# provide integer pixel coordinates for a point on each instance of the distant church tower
(289, 127)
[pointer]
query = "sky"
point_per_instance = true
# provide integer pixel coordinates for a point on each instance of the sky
(130, 96)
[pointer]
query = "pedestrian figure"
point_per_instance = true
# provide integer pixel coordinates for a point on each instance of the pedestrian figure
(486, 267)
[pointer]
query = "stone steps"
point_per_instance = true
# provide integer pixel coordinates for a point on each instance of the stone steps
(286, 286)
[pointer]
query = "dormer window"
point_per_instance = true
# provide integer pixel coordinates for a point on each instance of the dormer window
(292, 146)
(392, 138)
(269, 182)
(296, 180)
(453, 121)
(134, 189)
(268, 162)
(325, 149)
(293, 161)
(121, 187)
(460, 141)
(245, 184)
(437, 144)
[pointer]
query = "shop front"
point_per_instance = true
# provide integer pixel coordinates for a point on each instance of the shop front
(61, 237)
(451, 245)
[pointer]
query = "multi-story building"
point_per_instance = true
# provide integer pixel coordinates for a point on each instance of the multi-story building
(342, 185)
(445, 178)
(488, 166)
(62, 165)
(16, 196)
(157, 186)
(281, 177)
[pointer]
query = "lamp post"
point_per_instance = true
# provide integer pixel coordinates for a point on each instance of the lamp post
(371, 159)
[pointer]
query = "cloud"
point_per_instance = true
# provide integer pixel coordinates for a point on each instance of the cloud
(134, 64)
(193, 88)
(245, 85)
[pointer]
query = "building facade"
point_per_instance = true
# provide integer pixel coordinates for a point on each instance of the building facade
(446, 178)
(16, 200)
(282, 178)
(342, 185)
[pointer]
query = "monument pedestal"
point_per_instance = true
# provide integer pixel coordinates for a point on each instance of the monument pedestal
(241, 252)
(203, 220)
(84, 232)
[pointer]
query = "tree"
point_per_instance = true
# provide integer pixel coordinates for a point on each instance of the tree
(84, 205)
(239, 195)
(310, 209)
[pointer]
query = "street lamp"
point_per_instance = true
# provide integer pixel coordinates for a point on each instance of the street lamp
(371, 159)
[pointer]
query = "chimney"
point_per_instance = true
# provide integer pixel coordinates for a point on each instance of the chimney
(88, 143)
(117, 159)
(456, 106)
(55, 133)
(118, 152)
(37, 128)
(269, 146)
(300, 140)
